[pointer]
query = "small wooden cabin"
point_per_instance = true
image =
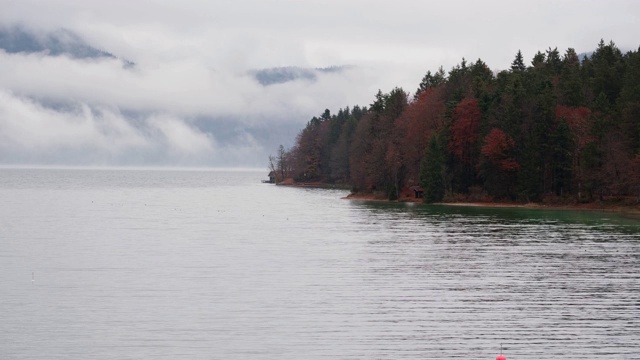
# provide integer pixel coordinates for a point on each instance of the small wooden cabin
(272, 177)
(418, 192)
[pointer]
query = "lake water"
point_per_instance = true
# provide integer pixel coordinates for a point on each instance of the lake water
(150, 264)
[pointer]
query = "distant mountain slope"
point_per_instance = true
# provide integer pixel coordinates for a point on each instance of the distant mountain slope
(16, 40)
(584, 55)
(280, 75)
(589, 54)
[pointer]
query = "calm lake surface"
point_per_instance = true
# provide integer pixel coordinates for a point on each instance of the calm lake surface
(151, 264)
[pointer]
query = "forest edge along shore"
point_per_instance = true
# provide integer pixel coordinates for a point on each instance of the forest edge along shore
(408, 196)
(560, 131)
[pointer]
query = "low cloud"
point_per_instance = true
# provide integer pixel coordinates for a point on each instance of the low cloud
(29, 130)
(193, 97)
(185, 87)
(28, 125)
(180, 138)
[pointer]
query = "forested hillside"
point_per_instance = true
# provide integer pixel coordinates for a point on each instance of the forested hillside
(556, 128)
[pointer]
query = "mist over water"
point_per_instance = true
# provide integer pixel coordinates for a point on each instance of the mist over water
(215, 265)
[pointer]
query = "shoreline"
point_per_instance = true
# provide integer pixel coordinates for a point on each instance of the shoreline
(312, 184)
(594, 206)
(408, 197)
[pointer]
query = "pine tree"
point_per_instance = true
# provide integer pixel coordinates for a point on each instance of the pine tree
(518, 63)
(538, 60)
(432, 171)
(562, 148)
(570, 85)
(430, 81)
(553, 62)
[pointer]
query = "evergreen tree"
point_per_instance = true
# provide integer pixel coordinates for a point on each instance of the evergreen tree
(378, 104)
(518, 63)
(553, 62)
(607, 70)
(426, 83)
(629, 101)
(570, 86)
(432, 171)
(538, 60)
(430, 81)
(358, 112)
(562, 148)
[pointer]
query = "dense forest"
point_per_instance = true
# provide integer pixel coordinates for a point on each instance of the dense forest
(564, 128)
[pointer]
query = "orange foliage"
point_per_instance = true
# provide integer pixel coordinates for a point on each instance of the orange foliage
(418, 123)
(465, 129)
(577, 119)
(496, 148)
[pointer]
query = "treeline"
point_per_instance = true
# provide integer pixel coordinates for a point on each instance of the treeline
(559, 128)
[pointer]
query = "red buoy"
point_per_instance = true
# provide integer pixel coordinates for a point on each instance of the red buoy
(501, 357)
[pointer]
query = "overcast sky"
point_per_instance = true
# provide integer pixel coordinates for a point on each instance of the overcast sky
(194, 61)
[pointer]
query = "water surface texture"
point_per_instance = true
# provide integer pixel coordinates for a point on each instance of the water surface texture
(150, 264)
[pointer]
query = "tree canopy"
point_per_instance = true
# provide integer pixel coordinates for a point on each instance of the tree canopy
(560, 127)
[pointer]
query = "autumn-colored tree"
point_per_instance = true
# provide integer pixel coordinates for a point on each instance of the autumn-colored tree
(499, 167)
(577, 119)
(464, 143)
(360, 155)
(465, 130)
(281, 164)
(308, 157)
(616, 167)
(562, 126)
(497, 147)
(419, 122)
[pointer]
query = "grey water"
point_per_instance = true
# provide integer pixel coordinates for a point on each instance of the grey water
(213, 264)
